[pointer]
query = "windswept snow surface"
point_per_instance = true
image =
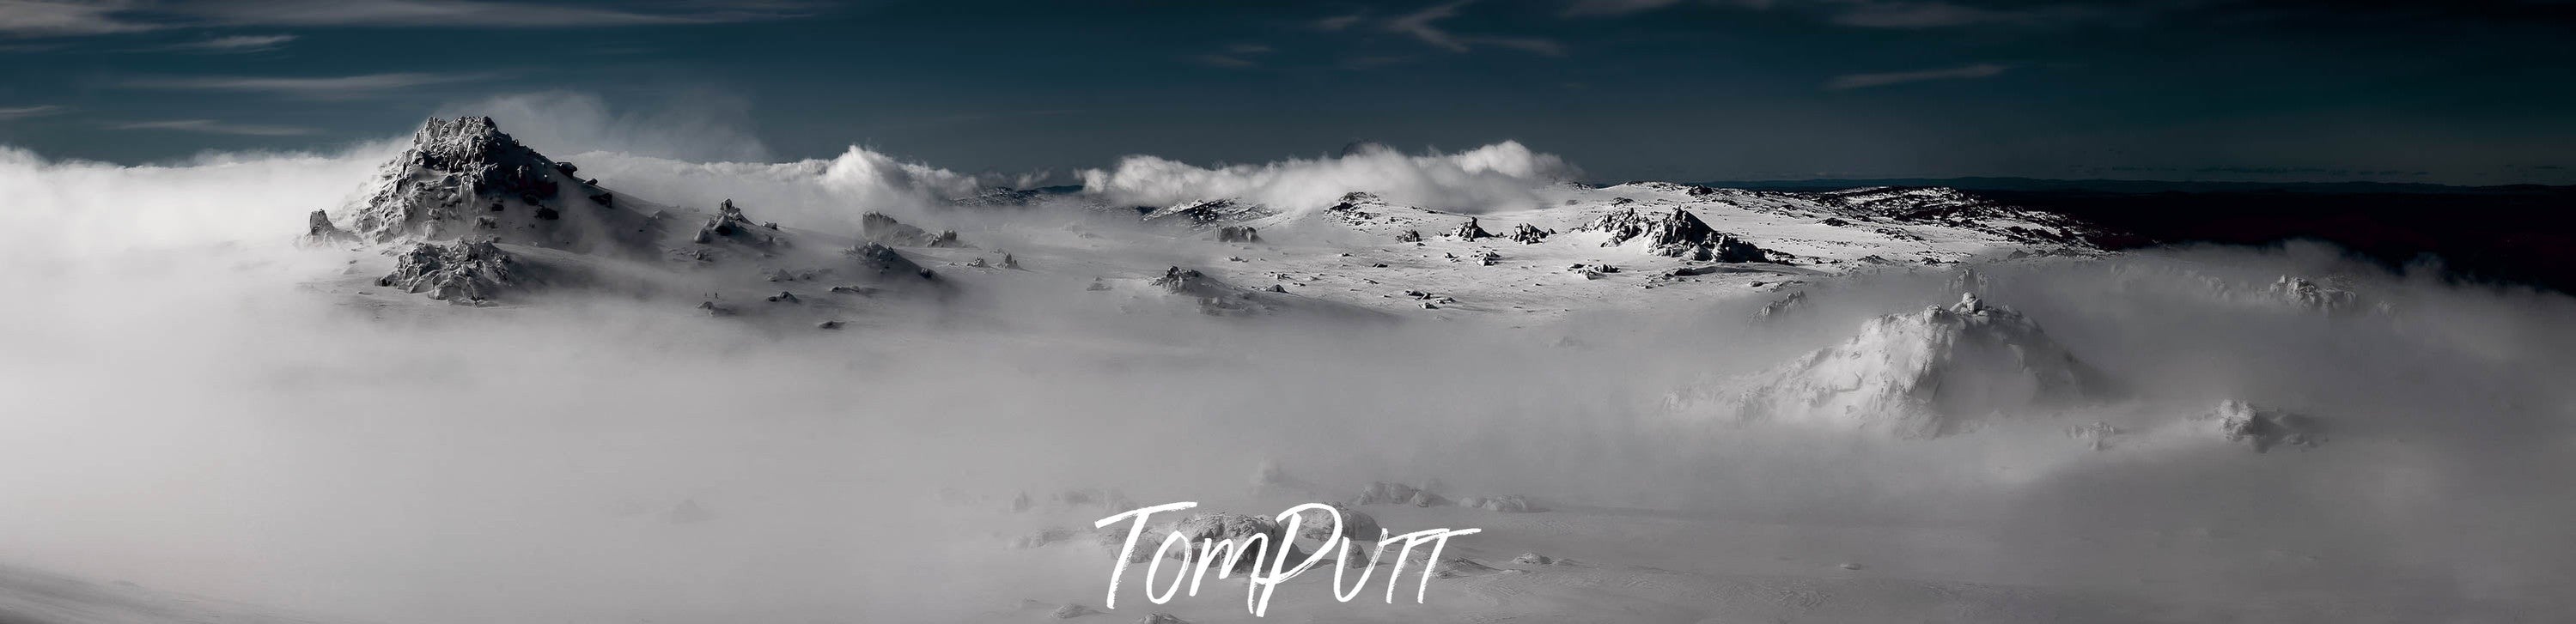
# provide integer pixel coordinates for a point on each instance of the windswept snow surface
(724, 392)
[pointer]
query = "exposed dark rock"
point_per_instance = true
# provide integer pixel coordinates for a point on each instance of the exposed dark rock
(1526, 234)
(1180, 281)
(1409, 236)
(1782, 307)
(1238, 234)
(1199, 528)
(452, 164)
(462, 272)
(879, 228)
(1210, 212)
(886, 260)
(2264, 428)
(318, 229)
(730, 224)
(1470, 231)
(1509, 504)
(1677, 234)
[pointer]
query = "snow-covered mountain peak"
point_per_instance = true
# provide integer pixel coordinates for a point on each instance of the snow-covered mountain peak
(463, 177)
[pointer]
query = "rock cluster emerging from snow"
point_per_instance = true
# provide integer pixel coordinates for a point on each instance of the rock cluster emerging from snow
(1528, 234)
(730, 224)
(2329, 296)
(1391, 493)
(1510, 503)
(1676, 234)
(2264, 428)
(461, 272)
(1470, 231)
(880, 228)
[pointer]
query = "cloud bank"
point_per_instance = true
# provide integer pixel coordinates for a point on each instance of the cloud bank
(1500, 176)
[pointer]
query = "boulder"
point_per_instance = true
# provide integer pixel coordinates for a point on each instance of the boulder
(1470, 231)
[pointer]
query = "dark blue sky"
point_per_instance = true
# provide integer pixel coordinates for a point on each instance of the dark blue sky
(2475, 92)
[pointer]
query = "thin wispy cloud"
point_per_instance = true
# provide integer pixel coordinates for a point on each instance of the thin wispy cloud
(1909, 15)
(235, 44)
(1888, 14)
(209, 126)
(85, 17)
(23, 112)
(480, 14)
(54, 18)
(1603, 8)
(1423, 25)
(1338, 22)
(1964, 72)
(335, 87)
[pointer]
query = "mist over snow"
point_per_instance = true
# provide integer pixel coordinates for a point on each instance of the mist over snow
(201, 404)
(1499, 176)
(816, 192)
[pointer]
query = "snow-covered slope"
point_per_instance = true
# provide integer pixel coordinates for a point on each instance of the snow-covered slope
(1629, 246)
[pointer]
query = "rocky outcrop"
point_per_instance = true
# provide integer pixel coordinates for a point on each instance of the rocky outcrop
(1238, 234)
(1512, 503)
(885, 260)
(730, 224)
(2331, 296)
(1391, 493)
(455, 168)
(1201, 529)
(1782, 307)
(2263, 428)
(462, 272)
(1409, 236)
(1315, 525)
(1676, 234)
(879, 228)
(463, 177)
(1527, 234)
(1470, 231)
(319, 231)
(1210, 212)
(1180, 281)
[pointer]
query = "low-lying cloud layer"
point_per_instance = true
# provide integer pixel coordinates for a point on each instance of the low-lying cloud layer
(192, 414)
(1500, 176)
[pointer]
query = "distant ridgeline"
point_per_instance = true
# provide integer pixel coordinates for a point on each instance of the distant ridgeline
(2521, 234)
